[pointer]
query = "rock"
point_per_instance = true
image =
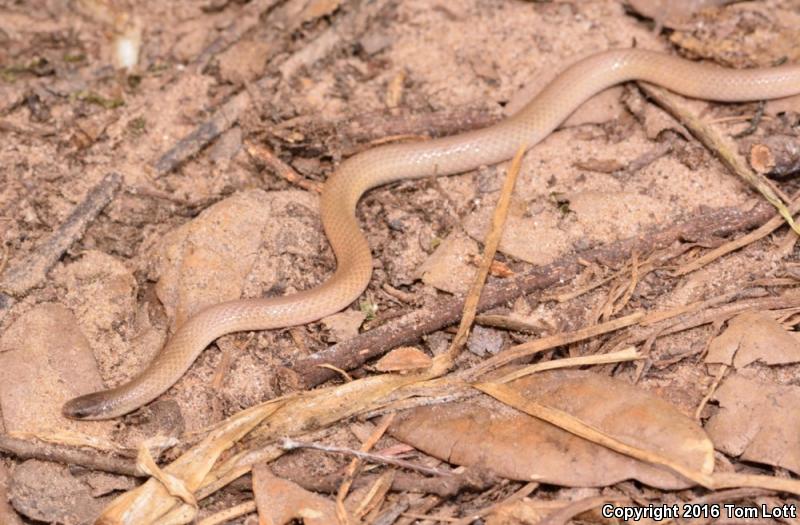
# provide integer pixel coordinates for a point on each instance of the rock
(47, 492)
(44, 361)
(243, 245)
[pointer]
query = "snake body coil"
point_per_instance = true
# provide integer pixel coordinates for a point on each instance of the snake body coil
(443, 156)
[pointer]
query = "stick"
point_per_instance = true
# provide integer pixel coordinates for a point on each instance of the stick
(407, 329)
(24, 449)
(32, 270)
(778, 155)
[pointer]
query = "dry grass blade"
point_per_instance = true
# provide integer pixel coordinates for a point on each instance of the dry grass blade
(767, 228)
(490, 249)
(553, 341)
(628, 354)
(152, 501)
(224, 516)
(352, 469)
(290, 444)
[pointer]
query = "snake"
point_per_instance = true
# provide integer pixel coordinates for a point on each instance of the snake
(394, 162)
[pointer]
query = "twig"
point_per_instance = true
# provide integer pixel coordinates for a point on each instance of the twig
(407, 329)
(291, 444)
(282, 169)
(355, 465)
(711, 391)
(449, 485)
(717, 145)
(24, 449)
(32, 270)
(222, 119)
(490, 249)
(767, 228)
(754, 122)
(224, 516)
(695, 319)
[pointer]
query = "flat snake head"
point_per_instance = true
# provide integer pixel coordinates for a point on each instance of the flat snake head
(89, 407)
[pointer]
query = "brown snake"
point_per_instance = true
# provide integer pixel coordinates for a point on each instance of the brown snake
(443, 156)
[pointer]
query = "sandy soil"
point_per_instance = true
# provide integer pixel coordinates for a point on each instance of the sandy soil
(221, 226)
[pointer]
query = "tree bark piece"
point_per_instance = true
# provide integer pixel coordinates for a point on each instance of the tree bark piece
(778, 155)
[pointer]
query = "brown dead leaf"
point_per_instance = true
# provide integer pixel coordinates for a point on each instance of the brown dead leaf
(481, 432)
(500, 269)
(403, 359)
(280, 501)
(754, 336)
(344, 325)
(757, 422)
(449, 267)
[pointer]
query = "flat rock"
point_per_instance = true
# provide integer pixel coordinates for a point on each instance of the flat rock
(241, 246)
(7, 514)
(102, 293)
(44, 361)
(46, 491)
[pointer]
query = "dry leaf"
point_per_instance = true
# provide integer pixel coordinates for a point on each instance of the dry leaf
(344, 325)
(754, 336)
(485, 433)
(403, 359)
(500, 269)
(280, 501)
(757, 422)
(599, 165)
(449, 267)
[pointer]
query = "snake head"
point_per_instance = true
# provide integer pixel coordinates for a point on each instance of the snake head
(88, 407)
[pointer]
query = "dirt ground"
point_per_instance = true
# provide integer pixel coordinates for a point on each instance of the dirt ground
(189, 223)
